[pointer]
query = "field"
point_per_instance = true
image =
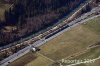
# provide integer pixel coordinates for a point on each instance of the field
(91, 54)
(69, 45)
(27, 60)
(3, 6)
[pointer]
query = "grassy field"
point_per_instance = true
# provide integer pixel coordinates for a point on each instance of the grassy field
(67, 45)
(73, 41)
(91, 54)
(41, 60)
(27, 60)
(3, 6)
(24, 60)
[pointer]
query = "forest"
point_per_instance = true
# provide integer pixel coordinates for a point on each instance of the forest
(28, 17)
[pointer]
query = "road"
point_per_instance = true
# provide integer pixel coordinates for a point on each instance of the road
(42, 41)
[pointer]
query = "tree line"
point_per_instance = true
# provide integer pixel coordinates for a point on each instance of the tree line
(31, 16)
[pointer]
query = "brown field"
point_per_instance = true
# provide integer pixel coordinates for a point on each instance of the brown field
(67, 44)
(24, 60)
(91, 54)
(71, 42)
(27, 60)
(40, 61)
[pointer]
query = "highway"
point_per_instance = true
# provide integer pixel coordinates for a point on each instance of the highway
(42, 41)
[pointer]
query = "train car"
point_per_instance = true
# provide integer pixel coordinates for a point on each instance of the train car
(57, 31)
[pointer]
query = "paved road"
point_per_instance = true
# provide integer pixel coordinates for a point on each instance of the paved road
(42, 41)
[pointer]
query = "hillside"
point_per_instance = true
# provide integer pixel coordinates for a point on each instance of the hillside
(30, 16)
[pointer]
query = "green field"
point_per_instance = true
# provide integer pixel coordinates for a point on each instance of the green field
(68, 45)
